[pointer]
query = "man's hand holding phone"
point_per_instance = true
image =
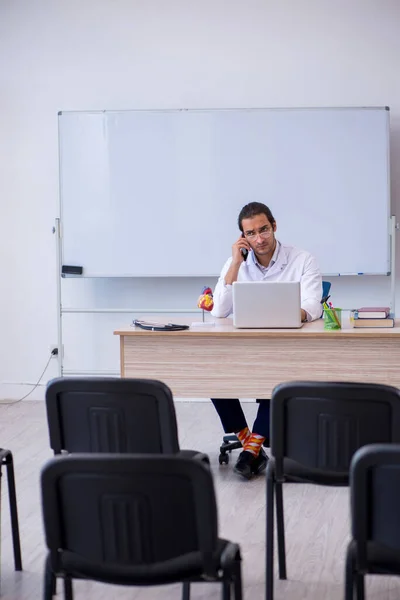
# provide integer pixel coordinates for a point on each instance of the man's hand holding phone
(239, 247)
(240, 250)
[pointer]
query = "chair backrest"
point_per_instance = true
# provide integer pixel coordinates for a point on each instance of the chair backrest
(111, 415)
(105, 513)
(321, 425)
(375, 498)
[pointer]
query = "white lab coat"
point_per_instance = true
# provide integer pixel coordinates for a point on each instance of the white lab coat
(292, 264)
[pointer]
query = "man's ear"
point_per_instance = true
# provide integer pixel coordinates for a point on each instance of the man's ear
(274, 226)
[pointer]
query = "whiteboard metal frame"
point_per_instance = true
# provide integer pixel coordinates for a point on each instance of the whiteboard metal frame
(393, 230)
(57, 230)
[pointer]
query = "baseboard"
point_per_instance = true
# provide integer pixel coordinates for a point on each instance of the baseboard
(14, 392)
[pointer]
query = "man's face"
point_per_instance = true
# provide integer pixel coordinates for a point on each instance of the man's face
(260, 234)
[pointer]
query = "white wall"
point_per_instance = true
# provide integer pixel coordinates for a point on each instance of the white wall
(122, 54)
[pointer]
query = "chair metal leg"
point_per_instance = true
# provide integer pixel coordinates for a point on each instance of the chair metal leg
(269, 566)
(68, 592)
(226, 590)
(186, 590)
(8, 461)
(48, 581)
(350, 579)
(238, 589)
(280, 521)
(360, 580)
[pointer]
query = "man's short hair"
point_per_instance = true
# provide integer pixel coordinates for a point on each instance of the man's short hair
(252, 210)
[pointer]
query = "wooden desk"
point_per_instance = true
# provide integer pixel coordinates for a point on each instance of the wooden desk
(223, 362)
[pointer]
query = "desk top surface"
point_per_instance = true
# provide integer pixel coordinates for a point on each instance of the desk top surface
(225, 328)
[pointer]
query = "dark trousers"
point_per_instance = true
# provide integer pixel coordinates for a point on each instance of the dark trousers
(233, 420)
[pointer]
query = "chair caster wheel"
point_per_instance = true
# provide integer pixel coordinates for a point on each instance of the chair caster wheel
(223, 459)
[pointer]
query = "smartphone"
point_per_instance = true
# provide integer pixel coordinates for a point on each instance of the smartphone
(244, 252)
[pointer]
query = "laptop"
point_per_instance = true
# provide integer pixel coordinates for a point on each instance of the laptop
(266, 304)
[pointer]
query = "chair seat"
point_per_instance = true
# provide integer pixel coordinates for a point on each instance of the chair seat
(296, 473)
(381, 559)
(186, 567)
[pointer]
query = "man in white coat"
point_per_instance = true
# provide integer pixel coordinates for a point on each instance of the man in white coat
(258, 256)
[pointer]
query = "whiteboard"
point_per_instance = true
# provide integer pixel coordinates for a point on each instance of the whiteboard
(158, 193)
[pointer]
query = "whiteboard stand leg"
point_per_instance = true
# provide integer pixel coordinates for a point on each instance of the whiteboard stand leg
(60, 357)
(393, 230)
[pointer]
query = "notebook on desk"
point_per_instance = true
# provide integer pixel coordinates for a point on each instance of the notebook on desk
(262, 304)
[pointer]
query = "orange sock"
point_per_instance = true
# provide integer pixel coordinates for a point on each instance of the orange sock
(253, 443)
(243, 435)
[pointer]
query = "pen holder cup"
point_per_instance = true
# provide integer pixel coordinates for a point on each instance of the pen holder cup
(332, 319)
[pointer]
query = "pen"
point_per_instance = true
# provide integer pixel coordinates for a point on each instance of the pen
(328, 311)
(334, 314)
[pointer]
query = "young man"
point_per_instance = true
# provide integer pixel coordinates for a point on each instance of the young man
(267, 260)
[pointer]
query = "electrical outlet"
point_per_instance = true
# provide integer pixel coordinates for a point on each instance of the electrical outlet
(54, 350)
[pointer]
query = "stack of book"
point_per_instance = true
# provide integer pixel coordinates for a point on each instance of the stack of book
(372, 316)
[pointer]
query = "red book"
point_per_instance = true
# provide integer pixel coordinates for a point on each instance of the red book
(373, 312)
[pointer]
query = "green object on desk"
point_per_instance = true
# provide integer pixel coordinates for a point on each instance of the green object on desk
(332, 319)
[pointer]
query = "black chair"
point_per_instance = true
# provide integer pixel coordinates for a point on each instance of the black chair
(108, 414)
(98, 414)
(6, 458)
(135, 520)
(375, 501)
(315, 430)
(230, 442)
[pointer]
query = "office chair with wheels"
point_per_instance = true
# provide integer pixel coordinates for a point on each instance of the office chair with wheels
(316, 428)
(375, 501)
(134, 520)
(230, 442)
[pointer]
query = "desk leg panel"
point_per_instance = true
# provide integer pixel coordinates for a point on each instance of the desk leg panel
(122, 355)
